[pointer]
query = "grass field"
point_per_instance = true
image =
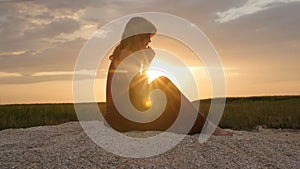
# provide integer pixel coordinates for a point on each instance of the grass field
(270, 112)
(240, 113)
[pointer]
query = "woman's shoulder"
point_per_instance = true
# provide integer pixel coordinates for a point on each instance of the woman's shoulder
(124, 53)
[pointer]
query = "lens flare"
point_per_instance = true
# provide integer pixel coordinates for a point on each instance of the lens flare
(153, 74)
(147, 103)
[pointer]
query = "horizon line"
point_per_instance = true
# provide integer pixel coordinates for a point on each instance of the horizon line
(204, 99)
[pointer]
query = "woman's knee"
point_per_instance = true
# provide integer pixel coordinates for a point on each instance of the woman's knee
(164, 79)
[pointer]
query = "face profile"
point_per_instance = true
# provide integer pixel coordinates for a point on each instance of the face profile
(146, 39)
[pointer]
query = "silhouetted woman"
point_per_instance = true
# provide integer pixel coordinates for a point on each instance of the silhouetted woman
(136, 37)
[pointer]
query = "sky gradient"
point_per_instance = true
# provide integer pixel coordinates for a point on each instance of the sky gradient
(258, 43)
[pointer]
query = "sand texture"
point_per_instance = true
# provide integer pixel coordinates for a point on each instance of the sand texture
(68, 146)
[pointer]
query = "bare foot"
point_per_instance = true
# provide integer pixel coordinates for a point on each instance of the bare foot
(221, 132)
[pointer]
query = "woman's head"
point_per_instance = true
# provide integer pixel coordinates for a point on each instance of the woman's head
(137, 26)
(136, 36)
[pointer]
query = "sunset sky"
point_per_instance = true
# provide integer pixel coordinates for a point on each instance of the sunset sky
(258, 43)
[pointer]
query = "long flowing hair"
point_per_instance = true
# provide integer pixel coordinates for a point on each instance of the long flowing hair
(135, 29)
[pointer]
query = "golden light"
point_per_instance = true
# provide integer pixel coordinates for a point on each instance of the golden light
(153, 74)
(148, 103)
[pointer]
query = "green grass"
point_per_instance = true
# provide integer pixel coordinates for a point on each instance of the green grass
(29, 115)
(240, 113)
(247, 113)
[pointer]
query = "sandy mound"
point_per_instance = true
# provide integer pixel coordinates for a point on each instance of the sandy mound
(67, 146)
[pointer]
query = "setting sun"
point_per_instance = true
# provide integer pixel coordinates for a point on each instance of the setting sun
(153, 74)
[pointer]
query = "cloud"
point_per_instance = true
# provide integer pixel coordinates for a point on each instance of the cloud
(250, 7)
(42, 36)
(3, 74)
(52, 73)
(53, 64)
(15, 78)
(12, 53)
(53, 29)
(61, 57)
(278, 27)
(33, 79)
(83, 72)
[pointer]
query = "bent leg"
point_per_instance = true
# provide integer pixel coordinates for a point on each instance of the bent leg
(175, 98)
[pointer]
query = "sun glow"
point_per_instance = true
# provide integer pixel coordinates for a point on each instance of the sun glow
(147, 102)
(153, 74)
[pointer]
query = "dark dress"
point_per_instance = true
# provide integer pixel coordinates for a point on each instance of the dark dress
(139, 90)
